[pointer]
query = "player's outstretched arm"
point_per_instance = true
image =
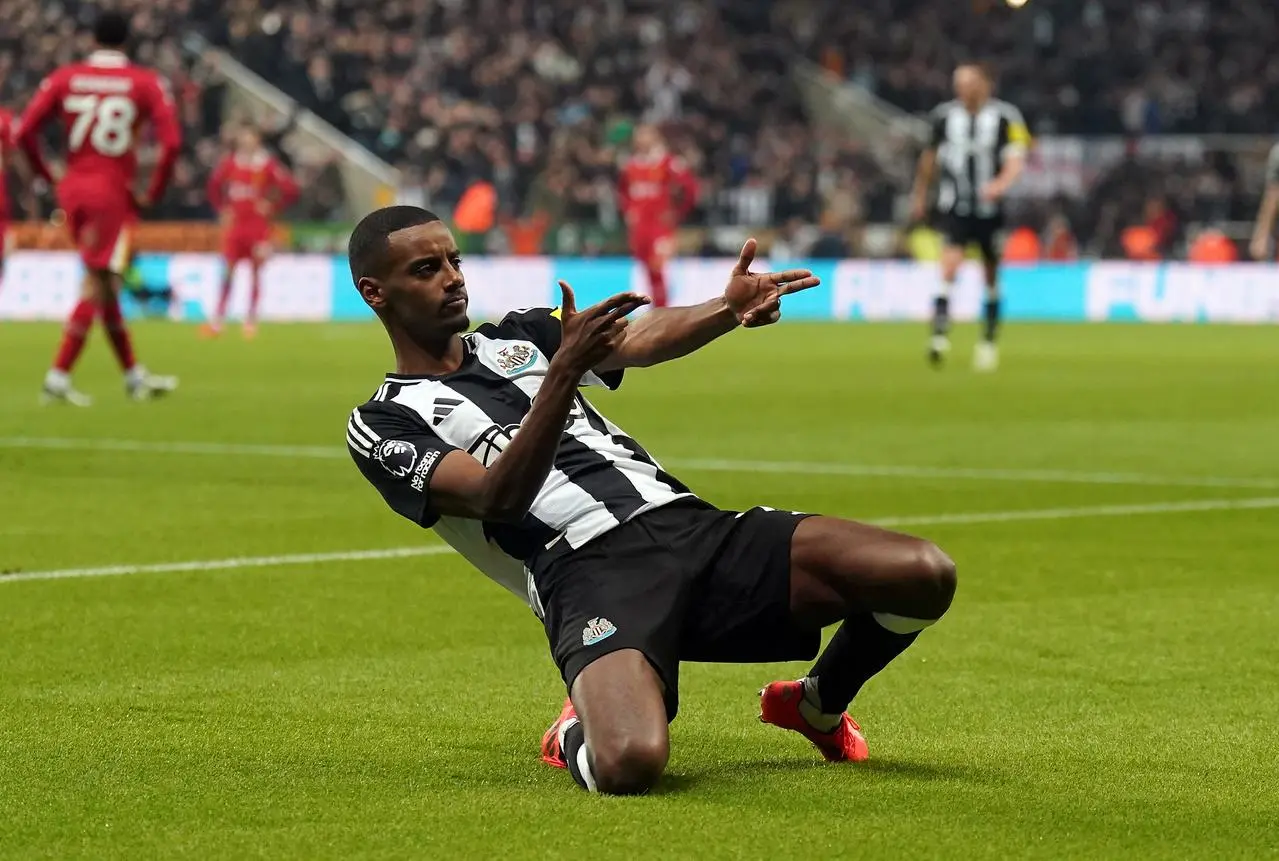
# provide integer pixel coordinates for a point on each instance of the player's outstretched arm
(462, 486)
(751, 299)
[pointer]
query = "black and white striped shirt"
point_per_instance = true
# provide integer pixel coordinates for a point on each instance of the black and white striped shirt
(601, 477)
(971, 150)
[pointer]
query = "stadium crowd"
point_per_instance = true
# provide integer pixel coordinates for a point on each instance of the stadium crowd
(1086, 67)
(538, 97)
(455, 92)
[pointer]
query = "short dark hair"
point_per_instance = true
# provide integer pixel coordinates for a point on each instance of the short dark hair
(984, 67)
(111, 30)
(369, 238)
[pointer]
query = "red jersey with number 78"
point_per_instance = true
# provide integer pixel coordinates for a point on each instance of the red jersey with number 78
(102, 105)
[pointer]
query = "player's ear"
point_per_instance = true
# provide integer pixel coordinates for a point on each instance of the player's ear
(372, 292)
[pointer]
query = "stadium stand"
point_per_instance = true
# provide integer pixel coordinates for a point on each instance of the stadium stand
(1073, 66)
(538, 98)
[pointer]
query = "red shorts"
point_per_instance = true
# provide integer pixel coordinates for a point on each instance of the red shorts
(655, 243)
(100, 216)
(246, 243)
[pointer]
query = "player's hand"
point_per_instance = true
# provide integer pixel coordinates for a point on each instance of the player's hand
(756, 298)
(591, 336)
(992, 191)
(1260, 247)
(141, 202)
(264, 208)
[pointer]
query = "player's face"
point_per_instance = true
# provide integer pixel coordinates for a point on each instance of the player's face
(645, 138)
(249, 141)
(424, 289)
(970, 85)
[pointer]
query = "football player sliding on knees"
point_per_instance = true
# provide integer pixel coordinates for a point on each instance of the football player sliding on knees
(487, 437)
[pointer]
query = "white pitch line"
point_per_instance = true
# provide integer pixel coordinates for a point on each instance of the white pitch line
(1050, 476)
(234, 562)
(145, 447)
(1047, 476)
(972, 517)
(1083, 511)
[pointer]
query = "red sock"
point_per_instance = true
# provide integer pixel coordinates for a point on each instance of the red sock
(224, 297)
(255, 274)
(657, 284)
(113, 320)
(73, 336)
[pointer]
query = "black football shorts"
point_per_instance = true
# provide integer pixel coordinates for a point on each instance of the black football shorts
(685, 582)
(966, 230)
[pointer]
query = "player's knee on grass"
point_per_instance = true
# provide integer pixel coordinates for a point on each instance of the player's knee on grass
(619, 698)
(630, 763)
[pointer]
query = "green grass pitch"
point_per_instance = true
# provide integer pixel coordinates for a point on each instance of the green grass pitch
(1106, 685)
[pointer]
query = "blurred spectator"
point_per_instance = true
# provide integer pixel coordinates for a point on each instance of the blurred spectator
(1059, 243)
(1163, 224)
(832, 242)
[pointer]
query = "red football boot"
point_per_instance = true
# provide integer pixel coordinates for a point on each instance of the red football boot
(552, 752)
(779, 705)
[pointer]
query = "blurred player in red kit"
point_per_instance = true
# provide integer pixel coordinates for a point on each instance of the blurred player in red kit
(247, 189)
(6, 147)
(656, 192)
(102, 104)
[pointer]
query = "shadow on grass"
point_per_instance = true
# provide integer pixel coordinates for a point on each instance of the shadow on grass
(896, 770)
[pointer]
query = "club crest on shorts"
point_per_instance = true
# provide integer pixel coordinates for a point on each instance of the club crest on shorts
(596, 630)
(514, 358)
(396, 456)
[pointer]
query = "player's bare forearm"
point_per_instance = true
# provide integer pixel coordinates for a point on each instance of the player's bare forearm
(924, 173)
(665, 334)
(1011, 172)
(463, 487)
(35, 159)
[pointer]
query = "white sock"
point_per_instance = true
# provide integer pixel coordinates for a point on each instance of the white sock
(584, 769)
(810, 708)
(56, 380)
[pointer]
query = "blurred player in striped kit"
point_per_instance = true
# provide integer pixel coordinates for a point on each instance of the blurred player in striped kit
(980, 144)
